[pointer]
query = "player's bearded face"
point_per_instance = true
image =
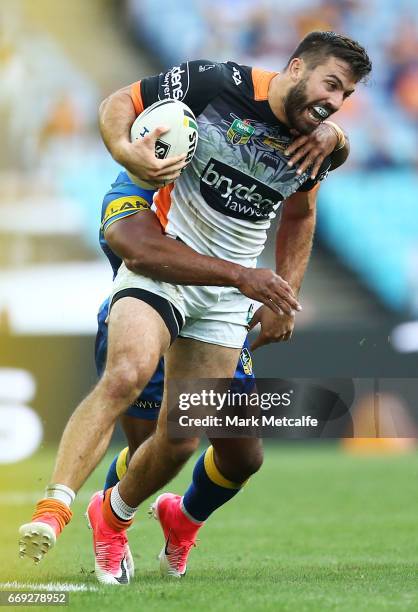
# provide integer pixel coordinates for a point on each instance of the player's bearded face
(301, 112)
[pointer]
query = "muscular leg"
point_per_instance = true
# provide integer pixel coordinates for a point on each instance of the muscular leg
(219, 474)
(160, 458)
(237, 459)
(133, 325)
(136, 430)
(87, 434)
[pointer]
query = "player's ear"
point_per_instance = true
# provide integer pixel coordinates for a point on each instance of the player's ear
(296, 68)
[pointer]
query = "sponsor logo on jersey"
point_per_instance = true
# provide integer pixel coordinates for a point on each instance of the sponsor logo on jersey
(276, 144)
(203, 68)
(323, 175)
(240, 132)
(161, 149)
(246, 361)
(235, 194)
(124, 206)
(147, 404)
(236, 75)
(175, 83)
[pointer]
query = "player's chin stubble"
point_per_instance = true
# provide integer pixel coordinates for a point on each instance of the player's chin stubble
(294, 104)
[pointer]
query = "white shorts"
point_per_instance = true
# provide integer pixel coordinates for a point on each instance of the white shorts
(217, 315)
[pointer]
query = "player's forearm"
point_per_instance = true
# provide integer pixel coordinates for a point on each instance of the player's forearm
(293, 247)
(116, 115)
(186, 267)
(171, 261)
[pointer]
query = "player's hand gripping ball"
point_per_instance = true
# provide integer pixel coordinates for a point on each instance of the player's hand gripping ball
(181, 137)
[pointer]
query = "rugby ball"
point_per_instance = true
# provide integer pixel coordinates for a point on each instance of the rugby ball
(181, 138)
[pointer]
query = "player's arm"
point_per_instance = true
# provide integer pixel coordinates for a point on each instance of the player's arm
(138, 239)
(117, 113)
(295, 235)
(116, 116)
(293, 248)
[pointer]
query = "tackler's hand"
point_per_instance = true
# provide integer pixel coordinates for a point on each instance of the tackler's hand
(274, 327)
(311, 150)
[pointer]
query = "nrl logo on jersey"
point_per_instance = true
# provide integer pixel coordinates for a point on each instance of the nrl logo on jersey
(240, 132)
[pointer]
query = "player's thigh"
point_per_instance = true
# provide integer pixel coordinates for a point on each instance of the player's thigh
(193, 359)
(189, 358)
(137, 336)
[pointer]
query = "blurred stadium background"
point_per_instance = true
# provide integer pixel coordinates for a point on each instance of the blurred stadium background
(58, 60)
(335, 531)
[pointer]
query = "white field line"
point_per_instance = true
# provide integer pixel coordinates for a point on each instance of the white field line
(46, 586)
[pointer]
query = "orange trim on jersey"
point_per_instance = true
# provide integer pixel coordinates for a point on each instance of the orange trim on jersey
(261, 82)
(162, 201)
(137, 97)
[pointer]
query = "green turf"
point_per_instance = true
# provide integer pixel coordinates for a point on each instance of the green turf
(316, 529)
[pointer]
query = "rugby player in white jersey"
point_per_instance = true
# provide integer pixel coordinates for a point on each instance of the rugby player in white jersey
(221, 206)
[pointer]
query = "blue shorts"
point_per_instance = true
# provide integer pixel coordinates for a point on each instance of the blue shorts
(148, 404)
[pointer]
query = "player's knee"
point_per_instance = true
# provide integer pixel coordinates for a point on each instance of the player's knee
(181, 450)
(243, 465)
(251, 463)
(123, 383)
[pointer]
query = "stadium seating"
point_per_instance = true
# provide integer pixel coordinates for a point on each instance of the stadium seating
(368, 219)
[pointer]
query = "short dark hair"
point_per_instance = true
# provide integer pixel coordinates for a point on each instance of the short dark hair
(317, 46)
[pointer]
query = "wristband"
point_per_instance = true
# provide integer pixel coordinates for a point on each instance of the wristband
(339, 133)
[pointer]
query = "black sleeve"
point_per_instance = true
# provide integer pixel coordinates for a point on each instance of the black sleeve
(322, 174)
(194, 83)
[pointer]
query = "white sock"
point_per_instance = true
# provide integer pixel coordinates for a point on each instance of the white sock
(119, 507)
(61, 492)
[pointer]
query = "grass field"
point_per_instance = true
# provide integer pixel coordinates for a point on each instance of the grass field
(316, 529)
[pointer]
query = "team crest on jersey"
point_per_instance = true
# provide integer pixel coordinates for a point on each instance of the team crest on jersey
(246, 361)
(240, 132)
